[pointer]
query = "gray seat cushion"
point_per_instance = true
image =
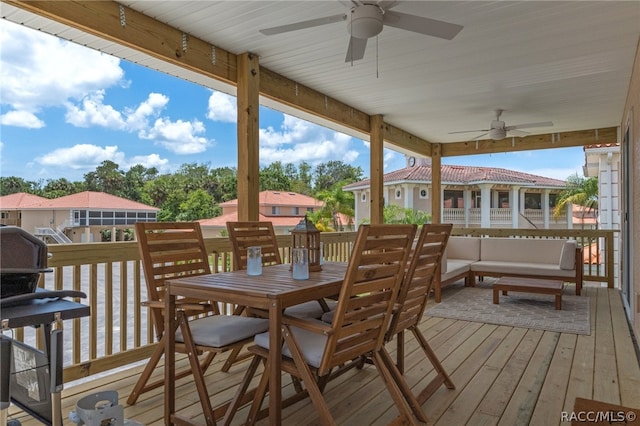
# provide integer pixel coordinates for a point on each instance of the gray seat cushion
(221, 330)
(309, 309)
(311, 344)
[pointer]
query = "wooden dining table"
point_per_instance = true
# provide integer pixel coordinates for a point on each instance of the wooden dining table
(272, 291)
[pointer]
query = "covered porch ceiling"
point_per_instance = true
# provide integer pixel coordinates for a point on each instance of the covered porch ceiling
(566, 62)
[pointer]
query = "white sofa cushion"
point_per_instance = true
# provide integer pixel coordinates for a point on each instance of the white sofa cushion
(568, 255)
(521, 268)
(467, 248)
(455, 267)
(526, 250)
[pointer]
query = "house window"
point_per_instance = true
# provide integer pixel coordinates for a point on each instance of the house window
(553, 200)
(296, 211)
(503, 200)
(275, 210)
(363, 197)
(309, 209)
(398, 194)
(532, 201)
(453, 199)
(424, 193)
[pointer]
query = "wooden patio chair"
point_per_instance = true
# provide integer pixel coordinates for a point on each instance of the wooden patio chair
(173, 250)
(314, 348)
(260, 233)
(423, 270)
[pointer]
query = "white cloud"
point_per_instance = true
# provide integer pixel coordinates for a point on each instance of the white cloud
(86, 157)
(222, 107)
(148, 161)
(138, 119)
(81, 156)
(93, 112)
(40, 70)
(179, 136)
(21, 119)
(298, 140)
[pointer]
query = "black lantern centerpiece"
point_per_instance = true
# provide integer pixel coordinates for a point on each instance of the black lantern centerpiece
(305, 234)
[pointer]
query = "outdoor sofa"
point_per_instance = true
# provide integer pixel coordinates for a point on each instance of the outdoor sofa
(470, 257)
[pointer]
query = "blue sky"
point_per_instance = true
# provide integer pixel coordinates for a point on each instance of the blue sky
(64, 109)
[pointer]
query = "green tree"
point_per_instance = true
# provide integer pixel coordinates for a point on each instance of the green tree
(327, 175)
(135, 179)
(579, 191)
(106, 178)
(274, 177)
(55, 188)
(226, 179)
(198, 205)
(13, 185)
(396, 214)
(302, 183)
(336, 201)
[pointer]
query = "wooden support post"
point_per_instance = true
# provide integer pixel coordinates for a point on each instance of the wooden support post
(248, 136)
(376, 137)
(436, 183)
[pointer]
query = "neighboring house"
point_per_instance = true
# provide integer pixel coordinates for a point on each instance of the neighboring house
(283, 208)
(78, 217)
(472, 197)
(603, 161)
(11, 207)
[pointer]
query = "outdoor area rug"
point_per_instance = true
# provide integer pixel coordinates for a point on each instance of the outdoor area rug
(515, 309)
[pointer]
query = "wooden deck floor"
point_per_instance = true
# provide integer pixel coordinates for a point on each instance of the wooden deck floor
(503, 375)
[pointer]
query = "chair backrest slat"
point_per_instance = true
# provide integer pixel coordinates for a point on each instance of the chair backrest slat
(253, 233)
(424, 265)
(371, 284)
(169, 250)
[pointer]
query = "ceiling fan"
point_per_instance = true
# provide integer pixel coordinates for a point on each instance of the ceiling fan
(498, 130)
(367, 19)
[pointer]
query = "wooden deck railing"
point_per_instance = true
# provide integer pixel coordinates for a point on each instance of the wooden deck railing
(118, 332)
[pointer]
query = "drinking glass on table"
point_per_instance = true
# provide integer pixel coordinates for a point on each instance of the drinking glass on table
(300, 262)
(254, 260)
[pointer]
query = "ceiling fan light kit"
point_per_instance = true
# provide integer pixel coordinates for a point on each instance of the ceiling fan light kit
(365, 22)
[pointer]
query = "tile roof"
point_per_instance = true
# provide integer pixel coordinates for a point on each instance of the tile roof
(601, 145)
(91, 200)
(281, 198)
(278, 221)
(463, 175)
(19, 200)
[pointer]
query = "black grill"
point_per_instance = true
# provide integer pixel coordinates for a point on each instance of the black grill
(23, 258)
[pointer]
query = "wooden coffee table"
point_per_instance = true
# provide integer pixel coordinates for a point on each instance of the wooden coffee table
(528, 285)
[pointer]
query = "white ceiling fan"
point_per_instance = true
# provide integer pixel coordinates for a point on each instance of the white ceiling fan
(366, 19)
(498, 130)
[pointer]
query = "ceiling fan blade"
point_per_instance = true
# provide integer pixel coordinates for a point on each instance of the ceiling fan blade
(387, 4)
(356, 49)
(528, 125)
(304, 24)
(470, 131)
(418, 24)
(517, 133)
(477, 138)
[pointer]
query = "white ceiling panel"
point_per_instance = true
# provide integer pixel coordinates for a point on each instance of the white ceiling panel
(563, 61)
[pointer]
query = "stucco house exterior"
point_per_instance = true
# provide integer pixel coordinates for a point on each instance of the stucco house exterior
(74, 218)
(283, 208)
(472, 197)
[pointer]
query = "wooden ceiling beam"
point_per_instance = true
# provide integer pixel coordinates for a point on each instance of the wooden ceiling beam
(545, 141)
(120, 24)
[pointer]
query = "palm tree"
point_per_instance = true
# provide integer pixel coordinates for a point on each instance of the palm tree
(579, 191)
(336, 201)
